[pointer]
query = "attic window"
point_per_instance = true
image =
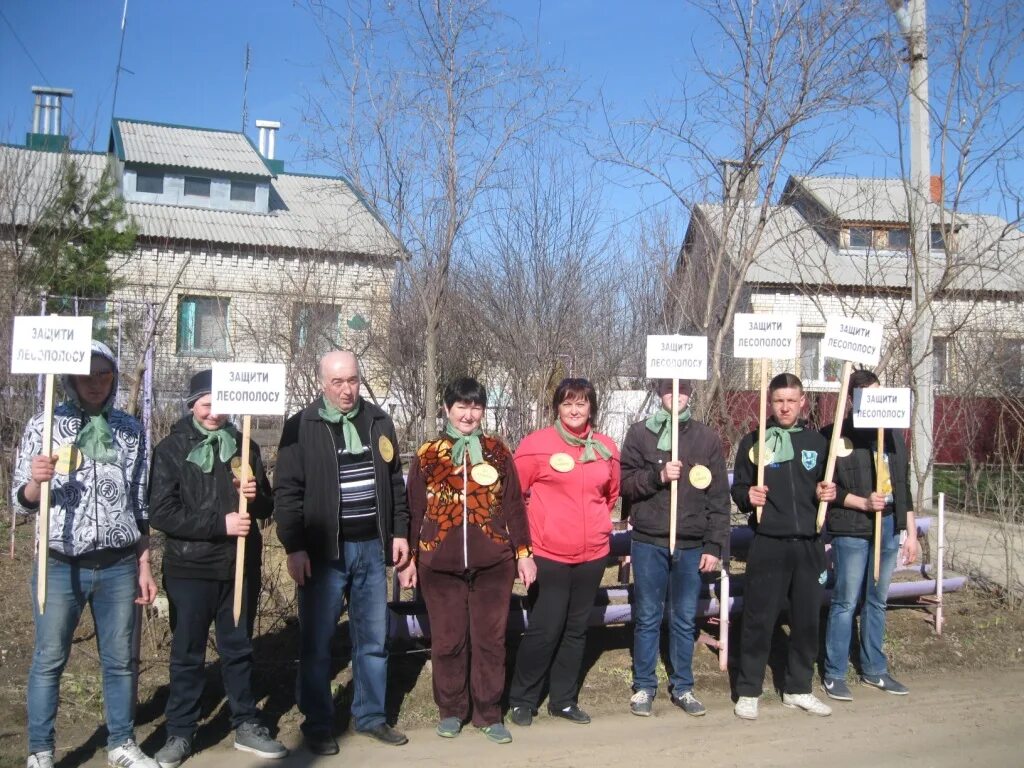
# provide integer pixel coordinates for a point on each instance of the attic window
(197, 186)
(149, 182)
(899, 239)
(244, 191)
(860, 237)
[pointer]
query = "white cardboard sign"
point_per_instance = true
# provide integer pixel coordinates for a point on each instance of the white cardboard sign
(768, 337)
(881, 408)
(849, 338)
(677, 357)
(51, 344)
(253, 388)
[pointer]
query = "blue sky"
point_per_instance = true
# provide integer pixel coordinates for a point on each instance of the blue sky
(186, 64)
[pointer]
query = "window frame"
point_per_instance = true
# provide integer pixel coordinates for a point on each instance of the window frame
(238, 184)
(186, 328)
(860, 231)
(202, 181)
(152, 176)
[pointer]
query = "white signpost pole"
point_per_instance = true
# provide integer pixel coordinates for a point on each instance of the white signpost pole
(676, 357)
(853, 341)
(881, 408)
(248, 389)
(49, 345)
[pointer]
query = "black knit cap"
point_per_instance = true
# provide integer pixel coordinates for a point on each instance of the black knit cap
(200, 384)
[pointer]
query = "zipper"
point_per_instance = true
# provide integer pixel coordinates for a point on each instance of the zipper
(376, 494)
(792, 497)
(465, 513)
(337, 493)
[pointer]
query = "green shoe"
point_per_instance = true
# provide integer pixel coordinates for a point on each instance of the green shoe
(449, 727)
(497, 733)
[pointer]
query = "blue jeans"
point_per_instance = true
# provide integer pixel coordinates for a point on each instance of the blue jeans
(855, 574)
(655, 574)
(110, 593)
(360, 572)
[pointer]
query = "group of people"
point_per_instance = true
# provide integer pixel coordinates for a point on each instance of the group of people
(472, 518)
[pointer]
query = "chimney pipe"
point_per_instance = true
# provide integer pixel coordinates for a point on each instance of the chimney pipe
(937, 189)
(48, 105)
(268, 133)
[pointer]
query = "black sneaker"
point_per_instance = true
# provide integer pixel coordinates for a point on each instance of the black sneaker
(836, 689)
(255, 739)
(385, 734)
(885, 683)
(572, 713)
(321, 743)
(690, 704)
(521, 716)
(174, 752)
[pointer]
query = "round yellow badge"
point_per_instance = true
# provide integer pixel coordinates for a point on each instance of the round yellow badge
(845, 448)
(562, 462)
(387, 450)
(752, 454)
(484, 474)
(236, 467)
(69, 458)
(700, 477)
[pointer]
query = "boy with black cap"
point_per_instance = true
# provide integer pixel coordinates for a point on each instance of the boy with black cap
(193, 497)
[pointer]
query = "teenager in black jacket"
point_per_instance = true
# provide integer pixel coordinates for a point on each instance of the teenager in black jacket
(851, 526)
(786, 560)
(193, 498)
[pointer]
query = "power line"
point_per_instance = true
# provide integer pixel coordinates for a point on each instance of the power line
(25, 48)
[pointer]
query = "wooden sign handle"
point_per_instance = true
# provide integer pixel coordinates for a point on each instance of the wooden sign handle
(879, 460)
(673, 504)
(42, 553)
(762, 419)
(837, 431)
(243, 505)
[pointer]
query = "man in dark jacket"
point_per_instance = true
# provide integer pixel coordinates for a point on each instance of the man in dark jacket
(193, 499)
(702, 525)
(342, 516)
(851, 525)
(786, 560)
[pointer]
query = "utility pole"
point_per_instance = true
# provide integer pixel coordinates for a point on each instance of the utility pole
(911, 19)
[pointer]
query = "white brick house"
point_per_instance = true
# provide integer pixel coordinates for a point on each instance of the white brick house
(840, 246)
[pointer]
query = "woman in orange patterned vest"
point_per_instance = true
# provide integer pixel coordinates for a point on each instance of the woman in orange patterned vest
(469, 537)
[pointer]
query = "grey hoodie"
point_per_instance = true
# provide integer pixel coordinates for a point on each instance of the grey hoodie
(94, 506)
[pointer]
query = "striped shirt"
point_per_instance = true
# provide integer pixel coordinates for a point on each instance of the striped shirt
(357, 491)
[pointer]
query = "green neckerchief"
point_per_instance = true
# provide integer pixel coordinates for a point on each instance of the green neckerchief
(778, 444)
(591, 448)
(348, 428)
(96, 439)
(202, 454)
(658, 424)
(462, 442)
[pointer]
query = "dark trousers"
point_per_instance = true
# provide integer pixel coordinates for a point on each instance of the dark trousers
(195, 604)
(561, 601)
(779, 570)
(468, 617)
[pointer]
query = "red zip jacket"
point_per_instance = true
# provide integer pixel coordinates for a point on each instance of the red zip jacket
(570, 513)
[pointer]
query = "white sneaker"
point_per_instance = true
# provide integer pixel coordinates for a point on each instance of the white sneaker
(807, 702)
(40, 759)
(128, 755)
(746, 707)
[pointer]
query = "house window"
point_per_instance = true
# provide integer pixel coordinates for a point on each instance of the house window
(203, 326)
(860, 237)
(899, 239)
(149, 182)
(938, 239)
(196, 186)
(244, 191)
(1009, 364)
(940, 361)
(813, 365)
(317, 327)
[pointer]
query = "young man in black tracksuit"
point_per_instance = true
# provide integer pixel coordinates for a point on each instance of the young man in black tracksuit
(786, 561)
(193, 499)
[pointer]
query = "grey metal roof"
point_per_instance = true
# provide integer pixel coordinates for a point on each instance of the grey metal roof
(308, 213)
(174, 146)
(988, 253)
(862, 199)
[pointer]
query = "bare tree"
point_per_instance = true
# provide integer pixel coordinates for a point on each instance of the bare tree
(419, 105)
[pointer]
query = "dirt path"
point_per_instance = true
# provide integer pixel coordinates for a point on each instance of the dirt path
(959, 720)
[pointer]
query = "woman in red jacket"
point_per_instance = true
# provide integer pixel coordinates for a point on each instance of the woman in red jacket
(570, 475)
